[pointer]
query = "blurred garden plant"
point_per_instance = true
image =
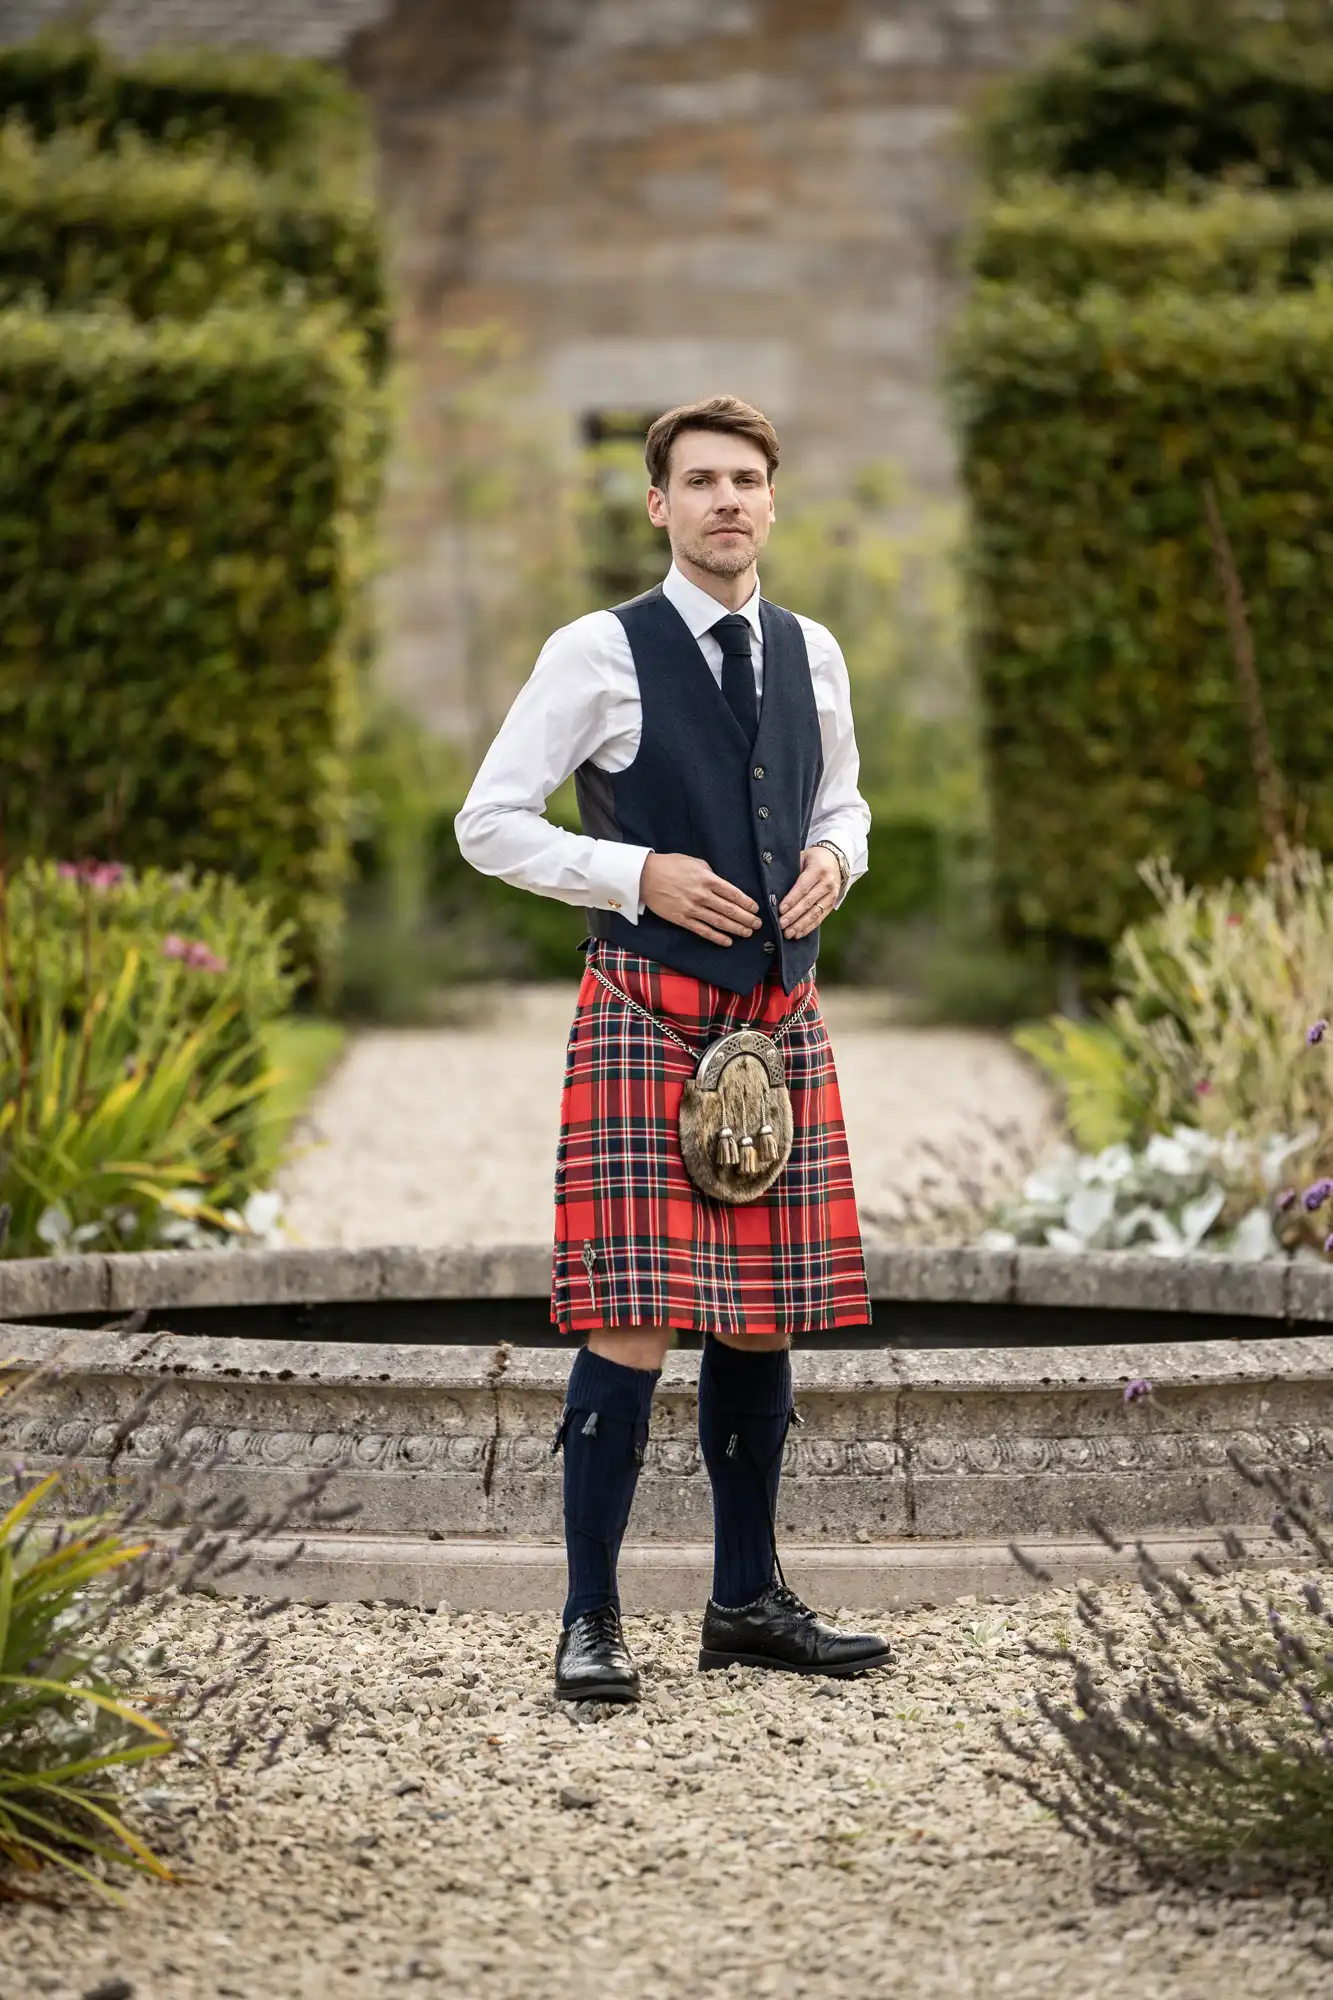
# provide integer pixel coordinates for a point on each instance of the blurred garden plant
(133, 1074)
(1195, 1733)
(71, 1735)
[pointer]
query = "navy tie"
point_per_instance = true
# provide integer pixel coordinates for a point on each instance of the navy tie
(733, 636)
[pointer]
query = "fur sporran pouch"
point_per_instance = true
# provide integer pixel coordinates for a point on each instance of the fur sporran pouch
(735, 1111)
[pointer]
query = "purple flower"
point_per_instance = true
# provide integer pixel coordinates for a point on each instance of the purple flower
(1317, 1194)
(173, 946)
(192, 953)
(1138, 1389)
(1203, 1086)
(1328, 1244)
(1316, 1032)
(1285, 1200)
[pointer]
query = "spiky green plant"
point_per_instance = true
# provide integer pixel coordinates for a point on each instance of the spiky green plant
(66, 1731)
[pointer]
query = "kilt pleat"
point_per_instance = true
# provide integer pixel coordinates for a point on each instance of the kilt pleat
(636, 1243)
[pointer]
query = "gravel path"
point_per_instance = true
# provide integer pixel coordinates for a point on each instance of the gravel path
(448, 1135)
(746, 1834)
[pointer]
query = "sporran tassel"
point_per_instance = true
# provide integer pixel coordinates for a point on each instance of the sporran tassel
(726, 1151)
(768, 1145)
(749, 1157)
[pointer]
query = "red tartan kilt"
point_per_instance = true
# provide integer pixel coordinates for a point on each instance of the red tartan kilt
(636, 1244)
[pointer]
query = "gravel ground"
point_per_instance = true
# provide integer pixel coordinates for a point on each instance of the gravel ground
(448, 1135)
(746, 1834)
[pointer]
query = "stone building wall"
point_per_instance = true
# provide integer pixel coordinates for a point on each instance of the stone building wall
(663, 198)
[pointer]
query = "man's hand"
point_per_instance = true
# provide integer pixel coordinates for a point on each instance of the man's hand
(812, 895)
(687, 892)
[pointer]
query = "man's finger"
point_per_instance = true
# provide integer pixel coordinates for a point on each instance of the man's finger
(806, 883)
(738, 921)
(717, 885)
(703, 930)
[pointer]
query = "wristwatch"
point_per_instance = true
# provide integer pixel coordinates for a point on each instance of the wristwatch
(844, 865)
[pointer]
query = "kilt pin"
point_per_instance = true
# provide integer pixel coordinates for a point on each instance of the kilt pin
(636, 1244)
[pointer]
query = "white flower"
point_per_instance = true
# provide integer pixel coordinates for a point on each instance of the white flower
(54, 1225)
(1253, 1237)
(262, 1212)
(1089, 1211)
(997, 1239)
(1107, 1168)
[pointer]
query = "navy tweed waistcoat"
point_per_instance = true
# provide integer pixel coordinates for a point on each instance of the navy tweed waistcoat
(696, 787)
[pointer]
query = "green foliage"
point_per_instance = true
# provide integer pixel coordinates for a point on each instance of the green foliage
(623, 553)
(269, 109)
(168, 234)
(1087, 1063)
(1217, 989)
(133, 1085)
(66, 1732)
(1059, 240)
(1166, 88)
(299, 1051)
(1113, 718)
(180, 556)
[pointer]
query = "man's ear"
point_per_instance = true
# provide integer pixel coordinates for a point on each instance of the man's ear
(657, 507)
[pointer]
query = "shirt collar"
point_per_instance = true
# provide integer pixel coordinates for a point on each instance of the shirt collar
(699, 610)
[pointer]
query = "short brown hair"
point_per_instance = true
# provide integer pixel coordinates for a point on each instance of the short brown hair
(714, 413)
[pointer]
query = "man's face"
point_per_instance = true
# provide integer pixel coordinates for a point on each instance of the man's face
(717, 505)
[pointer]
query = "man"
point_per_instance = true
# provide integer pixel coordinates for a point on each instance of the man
(710, 738)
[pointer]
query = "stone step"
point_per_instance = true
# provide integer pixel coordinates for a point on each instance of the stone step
(518, 1576)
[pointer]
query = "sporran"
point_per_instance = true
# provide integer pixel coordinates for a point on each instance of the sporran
(735, 1111)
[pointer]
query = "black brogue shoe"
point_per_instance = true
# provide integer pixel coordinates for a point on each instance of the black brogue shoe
(777, 1630)
(592, 1661)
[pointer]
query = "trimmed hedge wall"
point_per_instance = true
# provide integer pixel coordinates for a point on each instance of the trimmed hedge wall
(1207, 88)
(504, 932)
(1058, 240)
(164, 234)
(275, 111)
(1113, 717)
(179, 551)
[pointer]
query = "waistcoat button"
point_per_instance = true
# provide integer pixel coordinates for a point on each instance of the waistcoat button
(773, 899)
(769, 945)
(768, 854)
(759, 770)
(763, 812)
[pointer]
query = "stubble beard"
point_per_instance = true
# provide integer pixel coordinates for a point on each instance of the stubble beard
(721, 559)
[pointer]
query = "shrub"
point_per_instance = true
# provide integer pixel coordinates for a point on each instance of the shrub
(270, 109)
(1176, 87)
(66, 1731)
(133, 1082)
(162, 234)
(1194, 1735)
(1060, 240)
(179, 563)
(1114, 727)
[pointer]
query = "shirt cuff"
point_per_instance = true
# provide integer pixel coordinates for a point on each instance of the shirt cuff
(613, 879)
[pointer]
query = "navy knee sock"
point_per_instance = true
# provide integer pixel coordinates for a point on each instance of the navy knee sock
(744, 1410)
(604, 1429)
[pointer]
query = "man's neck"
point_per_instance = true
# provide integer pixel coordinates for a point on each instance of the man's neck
(731, 592)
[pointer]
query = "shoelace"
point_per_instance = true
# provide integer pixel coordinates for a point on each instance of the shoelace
(603, 1624)
(789, 1601)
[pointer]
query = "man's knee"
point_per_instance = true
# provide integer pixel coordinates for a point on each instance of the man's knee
(631, 1346)
(754, 1343)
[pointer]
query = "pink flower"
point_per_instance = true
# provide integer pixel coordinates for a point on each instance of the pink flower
(1202, 1087)
(191, 952)
(1233, 920)
(97, 874)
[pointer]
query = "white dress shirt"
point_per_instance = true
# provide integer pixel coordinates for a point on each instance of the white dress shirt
(581, 705)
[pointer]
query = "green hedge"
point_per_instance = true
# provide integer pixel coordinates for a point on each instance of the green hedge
(1114, 722)
(1173, 88)
(179, 552)
(498, 931)
(1055, 239)
(162, 234)
(274, 111)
